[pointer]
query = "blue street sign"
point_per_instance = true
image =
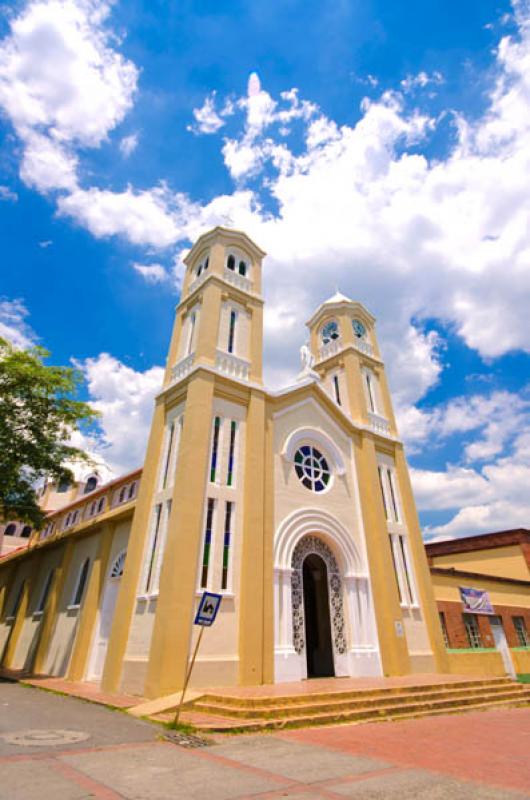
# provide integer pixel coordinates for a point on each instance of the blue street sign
(208, 608)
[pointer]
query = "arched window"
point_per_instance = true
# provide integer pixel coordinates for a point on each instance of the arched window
(101, 505)
(329, 332)
(242, 268)
(11, 529)
(26, 531)
(123, 492)
(64, 485)
(231, 262)
(116, 571)
(91, 484)
(45, 592)
(81, 583)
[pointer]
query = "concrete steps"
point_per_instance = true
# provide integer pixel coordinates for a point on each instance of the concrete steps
(218, 712)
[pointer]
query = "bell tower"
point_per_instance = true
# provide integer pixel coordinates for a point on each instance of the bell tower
(219, 320)
(195, 513)
(347, 359)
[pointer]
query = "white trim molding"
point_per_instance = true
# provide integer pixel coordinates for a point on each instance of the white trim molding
(316, 437)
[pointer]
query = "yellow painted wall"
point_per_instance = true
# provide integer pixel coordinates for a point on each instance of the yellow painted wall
(521, 660)
(505, 594)
(480, 663)
(506, 562)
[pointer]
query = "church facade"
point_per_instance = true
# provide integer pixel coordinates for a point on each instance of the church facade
(294, 505)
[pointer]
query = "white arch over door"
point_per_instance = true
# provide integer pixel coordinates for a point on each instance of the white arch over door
(362, 656)
(103, 624)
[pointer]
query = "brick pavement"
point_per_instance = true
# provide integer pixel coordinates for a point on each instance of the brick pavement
(462, 757)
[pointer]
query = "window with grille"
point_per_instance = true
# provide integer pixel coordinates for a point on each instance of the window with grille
(472, 630)
(444, 628)
(521, 632)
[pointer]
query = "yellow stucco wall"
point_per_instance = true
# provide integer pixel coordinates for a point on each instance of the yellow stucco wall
(501, 594)
(485, 662)
(501, 561)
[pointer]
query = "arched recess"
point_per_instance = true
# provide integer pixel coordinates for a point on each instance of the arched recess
(316, 437)
(362, 656)
(314, 520)
(103, 625)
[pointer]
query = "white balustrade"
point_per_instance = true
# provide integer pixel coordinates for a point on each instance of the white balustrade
(364, 346)
(198, 281)
(231, 365)
(237, 280)
(330, 349)
(378, 423)
(182, 367)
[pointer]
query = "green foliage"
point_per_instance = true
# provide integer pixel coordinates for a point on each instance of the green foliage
(38, 413)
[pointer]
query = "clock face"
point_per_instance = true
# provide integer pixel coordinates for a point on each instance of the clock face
(358, 328)
(330, 331)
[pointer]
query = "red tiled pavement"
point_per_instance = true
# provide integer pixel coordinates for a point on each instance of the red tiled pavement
(85, 691)
(491, 747)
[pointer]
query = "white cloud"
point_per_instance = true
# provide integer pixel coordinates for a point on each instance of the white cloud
(13, 324)
(8, 194)
(128, 144)
(153, 217)
(125, 399)
(62, 85)
(153, 273)
(206, 117)
(491, 497)
(421, 80)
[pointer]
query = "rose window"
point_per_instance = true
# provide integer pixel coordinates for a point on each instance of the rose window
(312, 468)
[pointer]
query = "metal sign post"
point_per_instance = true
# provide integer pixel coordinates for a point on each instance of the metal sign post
(205, 617)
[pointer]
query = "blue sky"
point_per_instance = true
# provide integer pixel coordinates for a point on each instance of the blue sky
(385, 150)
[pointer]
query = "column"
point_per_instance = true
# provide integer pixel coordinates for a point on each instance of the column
(420, 564)
(139, 529)
(254, 561)
(168, 656)
(393, 648)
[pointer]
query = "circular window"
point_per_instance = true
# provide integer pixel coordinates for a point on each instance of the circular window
(312, 468)
(330, 331)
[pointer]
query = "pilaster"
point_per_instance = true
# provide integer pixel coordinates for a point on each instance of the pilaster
(421, 566)
(129, 582)
(16, 627)
(255, 556)
(168, 657)
(393, 648)
(49, 616)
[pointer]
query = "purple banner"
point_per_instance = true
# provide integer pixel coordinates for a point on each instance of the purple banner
(476, 601)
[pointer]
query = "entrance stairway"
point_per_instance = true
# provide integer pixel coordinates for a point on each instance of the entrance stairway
(225, 712)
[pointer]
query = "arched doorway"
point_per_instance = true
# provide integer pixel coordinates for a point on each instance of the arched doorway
(105, 617)
(319, 648)
(317, 609)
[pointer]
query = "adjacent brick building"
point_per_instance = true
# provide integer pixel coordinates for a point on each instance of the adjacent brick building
(498, 565)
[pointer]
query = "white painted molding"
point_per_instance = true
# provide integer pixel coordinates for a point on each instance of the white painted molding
(315, 436)
(321, 523)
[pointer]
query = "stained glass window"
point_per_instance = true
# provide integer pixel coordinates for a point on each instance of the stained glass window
(312, 468)
(226, 544)
(215, 448)
(207, 543)
(231, 454)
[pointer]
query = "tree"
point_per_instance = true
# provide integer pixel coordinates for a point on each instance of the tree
(38, 413)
